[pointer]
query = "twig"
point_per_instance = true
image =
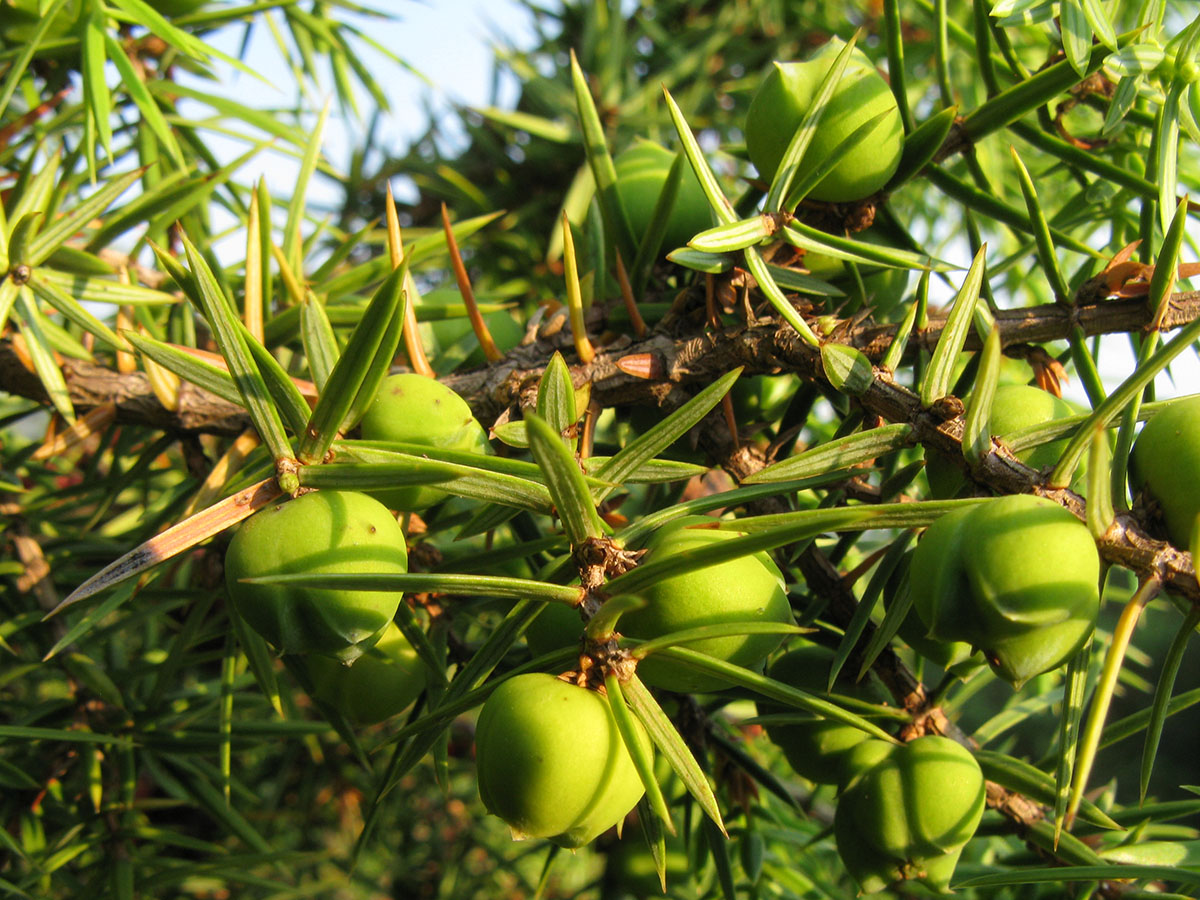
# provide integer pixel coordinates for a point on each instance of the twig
(686, 360)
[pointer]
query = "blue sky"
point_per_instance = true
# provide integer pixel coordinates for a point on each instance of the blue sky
(449, 42)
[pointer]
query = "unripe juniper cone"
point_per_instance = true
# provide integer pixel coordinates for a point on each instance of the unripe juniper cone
(1014, 406)
(783, 100)
(319, 532)
(1165, 463)
(642, 171)
(907, 811)
(884, 288)
(420, 410)
(1017, 577)
(167, 370)
(550, 760)
(817, 748)
(383, 682)
(747, 589)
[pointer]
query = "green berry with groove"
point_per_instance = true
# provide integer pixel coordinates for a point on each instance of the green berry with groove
(748, 589)
(784, 99)
(1016, 577)
(418, 410)
(1165, 463)
(321, 532)
(551, 762)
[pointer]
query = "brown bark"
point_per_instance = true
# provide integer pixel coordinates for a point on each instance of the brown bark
(682, 361)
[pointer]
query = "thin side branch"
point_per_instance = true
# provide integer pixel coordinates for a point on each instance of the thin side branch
(680, 362)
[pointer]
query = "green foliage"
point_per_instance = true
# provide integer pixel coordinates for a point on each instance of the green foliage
(180, 348)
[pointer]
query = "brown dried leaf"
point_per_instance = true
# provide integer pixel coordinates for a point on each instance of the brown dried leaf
(35, 578)
(74, 436)
(177, 539)
(226, 467)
